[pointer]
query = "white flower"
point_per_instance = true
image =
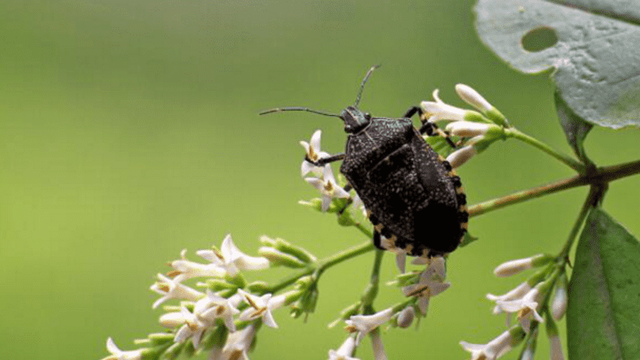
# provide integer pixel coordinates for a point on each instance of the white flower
(193, 328)
(468, 128)
(516, 293)
(513, 267)
(231, 259)
(117, 354)
(492, 350)
(517, 266)
(261, 307)
(328, 187)
(170, 289)
(312, 149)
(559, 302)
(363, 324)
(431, 283)
(526, 307)
(237, 345)
(472, 97)
(345, 351)
(213, 307)
(438, 110)
(556, 348)
(172, 319)
(461, 156)
(185, 269)
(378, 347)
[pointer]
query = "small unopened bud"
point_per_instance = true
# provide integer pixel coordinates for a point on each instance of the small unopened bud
(172, 319)
(288, 248)
(161, 338)
(267, 241)
(559, 302)
(406, 316)
(461, 156)
(513, 267)
(276, 257)
(467, 128)
(472, 97)
(258, 287)
(216, 285)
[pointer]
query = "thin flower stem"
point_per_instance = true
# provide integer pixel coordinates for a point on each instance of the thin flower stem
(371, 291)
(566, 159)
(324, 264)
(600, 176)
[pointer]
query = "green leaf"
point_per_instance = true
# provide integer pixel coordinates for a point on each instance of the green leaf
(603, 315)
(592, 45)
(575, 128)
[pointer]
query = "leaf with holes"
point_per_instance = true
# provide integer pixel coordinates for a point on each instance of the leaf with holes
(603, 315)
(592, 45)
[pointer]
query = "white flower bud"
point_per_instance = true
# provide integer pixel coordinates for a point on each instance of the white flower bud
(467, 128)
(472, 97)
(559, 302)
(172, 320)
(406, 316)
(513, 267)
(461, 156)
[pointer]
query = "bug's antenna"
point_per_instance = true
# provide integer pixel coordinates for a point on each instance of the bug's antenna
(295, 108)
(364, 81)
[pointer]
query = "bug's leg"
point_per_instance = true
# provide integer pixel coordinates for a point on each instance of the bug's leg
(427, 127)
(324, 161)
(377, 240)
(412, 111)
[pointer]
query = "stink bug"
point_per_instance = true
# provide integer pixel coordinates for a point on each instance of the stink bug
(412, 195)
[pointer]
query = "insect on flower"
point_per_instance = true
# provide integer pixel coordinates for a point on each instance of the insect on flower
(413, 196)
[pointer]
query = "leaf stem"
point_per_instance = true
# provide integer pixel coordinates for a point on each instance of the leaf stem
(600, 176)
(566, 159)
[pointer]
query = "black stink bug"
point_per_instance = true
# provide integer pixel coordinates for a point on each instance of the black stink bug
(412, 195)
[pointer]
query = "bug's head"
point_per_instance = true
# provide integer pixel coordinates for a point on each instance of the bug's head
(354, 119)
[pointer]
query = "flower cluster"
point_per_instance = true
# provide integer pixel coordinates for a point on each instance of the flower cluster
(225, 316)
(478, 129)
(527, 302)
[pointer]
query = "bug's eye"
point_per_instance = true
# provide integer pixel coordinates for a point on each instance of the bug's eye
(367, 116)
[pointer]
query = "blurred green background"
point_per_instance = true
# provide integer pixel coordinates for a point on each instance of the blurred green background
(129, 131)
